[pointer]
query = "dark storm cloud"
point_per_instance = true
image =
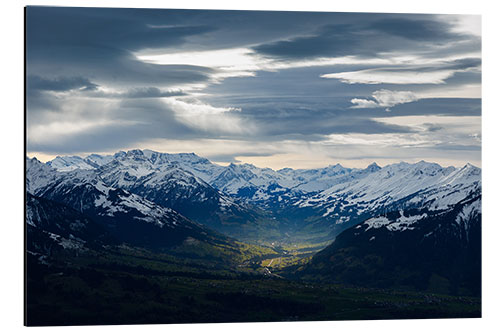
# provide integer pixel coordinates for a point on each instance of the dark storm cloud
(437, 106)
(421, 30)
(362, 40)
(464, 63)
(120, 29)
(98, 43)
(333, 41)
(111, 67)
(244, 28)
(35, 82)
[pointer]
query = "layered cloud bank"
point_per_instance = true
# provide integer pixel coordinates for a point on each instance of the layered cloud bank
(296, 89)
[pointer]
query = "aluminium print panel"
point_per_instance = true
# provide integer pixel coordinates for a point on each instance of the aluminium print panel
(196, 166)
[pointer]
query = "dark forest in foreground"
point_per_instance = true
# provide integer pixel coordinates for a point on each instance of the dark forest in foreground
(126, 286)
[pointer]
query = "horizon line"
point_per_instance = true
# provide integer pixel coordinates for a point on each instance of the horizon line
(224, 164)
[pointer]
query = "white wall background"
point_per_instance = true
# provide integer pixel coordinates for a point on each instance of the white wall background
(12, 157)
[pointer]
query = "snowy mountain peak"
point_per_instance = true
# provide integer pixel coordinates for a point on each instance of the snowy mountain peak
(373, 167)
(135, 154)
(232, 165)
(427, 165)
(68, 163)
(119, 154)
(38, 174)
(336, 167)
(32, 160)
(471, 167)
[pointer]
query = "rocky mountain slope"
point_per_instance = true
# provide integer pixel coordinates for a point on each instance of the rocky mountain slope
(435, 249)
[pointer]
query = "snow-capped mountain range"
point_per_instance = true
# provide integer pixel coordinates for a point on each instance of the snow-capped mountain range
(394, 187)
(331, 198)
(416, 225)
(126, 216)
(229, 179)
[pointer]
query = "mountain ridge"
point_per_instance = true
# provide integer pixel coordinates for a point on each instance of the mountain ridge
(157, 200)
(318, 201)
(126, 216)
(420, 249)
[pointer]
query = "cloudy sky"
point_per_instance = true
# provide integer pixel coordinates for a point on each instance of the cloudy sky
(276, 89)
